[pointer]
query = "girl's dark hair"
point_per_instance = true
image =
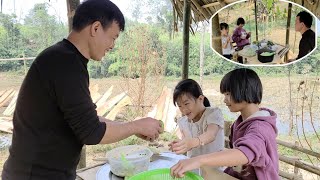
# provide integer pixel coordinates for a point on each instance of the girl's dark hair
(240, 21)
(103, 11)
(189, 87)
(224, 26)
(243, 85)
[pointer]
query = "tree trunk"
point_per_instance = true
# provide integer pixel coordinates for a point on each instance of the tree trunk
(216, 34)
(71, 6)
(202, 53)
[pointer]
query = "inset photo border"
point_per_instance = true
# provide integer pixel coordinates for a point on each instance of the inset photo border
(263, 32)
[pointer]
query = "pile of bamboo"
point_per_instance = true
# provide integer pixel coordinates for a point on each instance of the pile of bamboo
(8, 100)
(106, 106)
(165, 110)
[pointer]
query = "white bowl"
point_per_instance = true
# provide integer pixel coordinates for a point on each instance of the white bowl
(263, 44)
(274, 48)
(129, 160)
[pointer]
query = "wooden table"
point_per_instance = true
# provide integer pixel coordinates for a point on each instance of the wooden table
(209, 173)
(252, 60)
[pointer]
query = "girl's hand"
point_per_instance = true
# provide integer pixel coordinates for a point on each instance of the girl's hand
(171, 144)
(229, 39)
(183, 166)
(182, 146)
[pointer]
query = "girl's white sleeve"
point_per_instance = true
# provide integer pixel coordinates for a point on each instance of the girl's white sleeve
(215, 117)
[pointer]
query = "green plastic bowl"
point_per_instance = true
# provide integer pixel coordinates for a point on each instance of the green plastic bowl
(163, 174)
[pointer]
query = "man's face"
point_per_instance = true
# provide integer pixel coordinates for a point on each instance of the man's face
(298, 25)
(103, 40)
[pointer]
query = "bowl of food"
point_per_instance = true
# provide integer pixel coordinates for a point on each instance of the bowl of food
(126, 161)
(265, 55)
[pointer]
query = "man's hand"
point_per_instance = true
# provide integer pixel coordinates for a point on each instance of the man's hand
(148, 128)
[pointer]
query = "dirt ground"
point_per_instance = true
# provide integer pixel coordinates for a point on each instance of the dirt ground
(276, 96)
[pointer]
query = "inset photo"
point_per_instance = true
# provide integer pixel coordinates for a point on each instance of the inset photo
(263, 32)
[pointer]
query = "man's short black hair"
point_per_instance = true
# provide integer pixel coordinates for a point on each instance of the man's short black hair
(243, 85)
(240, 21)
(224, 26)
(103, 11)
(306, 18)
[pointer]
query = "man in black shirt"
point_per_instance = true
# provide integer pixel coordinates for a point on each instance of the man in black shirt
(55, 115)
(302, 25)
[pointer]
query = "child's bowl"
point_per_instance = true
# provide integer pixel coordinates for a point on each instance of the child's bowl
(129, 160)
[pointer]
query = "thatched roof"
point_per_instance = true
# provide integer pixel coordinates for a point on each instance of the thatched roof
(204, 9)
(201, 9)
(312, 5)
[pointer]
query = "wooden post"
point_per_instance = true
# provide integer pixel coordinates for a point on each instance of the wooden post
(72, 6)
(216, 34)
(296, 169)
(82, 161)
(255, 15)
(186, 26)
(288, 28)
(227, 131)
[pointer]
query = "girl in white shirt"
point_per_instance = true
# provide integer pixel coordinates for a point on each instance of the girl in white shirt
(201, 126)
(227, 49)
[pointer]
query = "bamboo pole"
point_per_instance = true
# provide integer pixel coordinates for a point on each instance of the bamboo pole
(300, 164)
(211, 5)
(18, 59)
(295, 147)
(222, 3)
(186, 26)
(25, 65)
(201, 9)
(289, 176)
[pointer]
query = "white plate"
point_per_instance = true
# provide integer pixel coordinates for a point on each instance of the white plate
(166, 160)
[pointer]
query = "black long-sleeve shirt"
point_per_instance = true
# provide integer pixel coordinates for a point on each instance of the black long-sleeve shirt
(54, 117)
(307, 43)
